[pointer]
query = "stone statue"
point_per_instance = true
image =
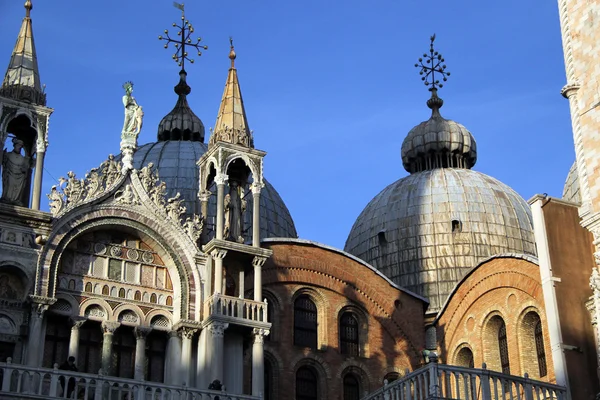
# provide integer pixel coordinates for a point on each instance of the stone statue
(75, 189)
(14, 174)
(133, 113)
(193, 226)
(174, 208)
(111, 170)
(234, 211)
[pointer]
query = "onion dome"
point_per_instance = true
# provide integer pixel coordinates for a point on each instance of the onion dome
(571, 190)
(438, 142)
(428, 230)
(181, 123)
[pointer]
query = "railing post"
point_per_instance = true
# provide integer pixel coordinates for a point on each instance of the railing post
(433, 377)
(7, 374)
(99, 386)
(54, 381)
(486, 393)
(528, 388)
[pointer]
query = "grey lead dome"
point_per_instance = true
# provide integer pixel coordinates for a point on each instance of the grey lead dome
(428, 230)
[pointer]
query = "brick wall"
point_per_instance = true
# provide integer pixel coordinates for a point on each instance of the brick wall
(391, 321)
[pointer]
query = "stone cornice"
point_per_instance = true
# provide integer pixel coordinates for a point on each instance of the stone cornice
(237, 247)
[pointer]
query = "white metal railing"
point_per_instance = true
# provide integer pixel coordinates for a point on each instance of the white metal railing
(234, 307)
(439, 381)
(23, 382)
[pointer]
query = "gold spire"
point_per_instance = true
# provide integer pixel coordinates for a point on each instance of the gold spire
(232, 125)
(22, 78)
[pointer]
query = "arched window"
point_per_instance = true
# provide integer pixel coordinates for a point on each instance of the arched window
(503, 348)
(88, 287)
(138, 295)
(305, 322)
(349, 334)
(464, 358)
(105, 290)
(351, 387)
(122, 293)
(170, 301)
(153, 298)
(307, 386)
(539, 348)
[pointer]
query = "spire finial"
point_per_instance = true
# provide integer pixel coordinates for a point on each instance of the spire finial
(231, 52)
(28, 8)
(431, 64)
(185, 31)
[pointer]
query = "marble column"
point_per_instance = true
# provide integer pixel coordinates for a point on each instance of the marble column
(187, 334)
(217, 332)
(37, 179)
(139, 372)
(241, 279)
(202, 361)
(173, 359)
(109, 328)
(220, 180)
(218, 255)
(258, 362)
(256, 214)
(257, 263)
(204, 196)
(35, 342)
(74, 338)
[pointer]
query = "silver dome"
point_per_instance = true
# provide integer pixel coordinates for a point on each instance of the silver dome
(571, 190)
(176, 164)
(427, 230)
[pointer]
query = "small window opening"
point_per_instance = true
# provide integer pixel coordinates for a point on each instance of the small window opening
(456, 226)
(381, 238)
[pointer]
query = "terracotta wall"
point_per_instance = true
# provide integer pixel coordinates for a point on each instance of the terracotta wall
(391, 321)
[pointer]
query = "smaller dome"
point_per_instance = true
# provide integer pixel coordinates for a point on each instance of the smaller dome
(438, 143)
(571, 190)
(181, 123)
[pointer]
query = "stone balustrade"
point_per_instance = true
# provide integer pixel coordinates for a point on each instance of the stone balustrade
(23, 382)
(439, 381)
(234, 308)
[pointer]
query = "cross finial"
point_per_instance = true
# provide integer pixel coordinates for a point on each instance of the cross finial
(231, 52)
(431, 64)
(185, 31)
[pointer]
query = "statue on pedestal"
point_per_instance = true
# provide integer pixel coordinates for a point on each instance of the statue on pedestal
(234, 211)
(14, 174)
(131, 126)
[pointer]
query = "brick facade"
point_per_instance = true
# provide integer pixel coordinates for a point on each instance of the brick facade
(503, 288)
(391, 321)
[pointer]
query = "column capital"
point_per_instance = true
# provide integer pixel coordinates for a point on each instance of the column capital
(142, 331)
(187, 332)
(109, 327)
(256, 188)
(204, 195)
(76, 322)
(174, 333)
(259, 334)
(40, 304)
(221, 179)
(218, 328)
(258, 261)
(570, 89)
(218, 253)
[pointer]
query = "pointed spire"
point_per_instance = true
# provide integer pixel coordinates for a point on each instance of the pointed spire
(232, 125)
(22, 78)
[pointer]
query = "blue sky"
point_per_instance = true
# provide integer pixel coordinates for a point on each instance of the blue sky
(329, 86)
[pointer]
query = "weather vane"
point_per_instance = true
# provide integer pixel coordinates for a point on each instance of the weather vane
(431, 64)
(185, 31)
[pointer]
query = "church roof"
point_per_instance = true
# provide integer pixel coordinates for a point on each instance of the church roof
(22, 79)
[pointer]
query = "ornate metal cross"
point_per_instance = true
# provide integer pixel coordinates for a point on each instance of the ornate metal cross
(434, 63)
(185, 31)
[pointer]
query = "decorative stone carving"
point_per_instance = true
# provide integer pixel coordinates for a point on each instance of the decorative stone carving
(258, 262)
(14, 174)
(109, 327)
(126, 196)
(218, 328)
(77, 322)
(131, 126)
(241, 136)
(96, 182)
(188, 333)
(193, 226)
(256, 187)
(218, 253)
(42, 133)
(142, 331)
(259, 335)
(221, 179)
(204, 195)
(174, 208)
